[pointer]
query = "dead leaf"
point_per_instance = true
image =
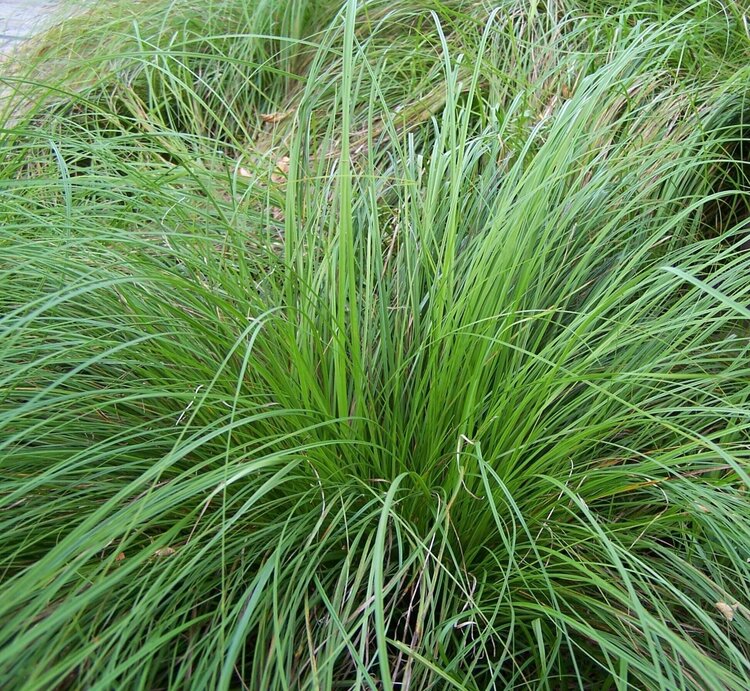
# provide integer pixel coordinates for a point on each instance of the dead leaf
(277, 214)
(244, 172)
(273, 118)
(702, 508)
(120, 556)
(727, 610)
(164, 552)
(282, 168)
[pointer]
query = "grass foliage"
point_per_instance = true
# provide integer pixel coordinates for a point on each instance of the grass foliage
(391, 345)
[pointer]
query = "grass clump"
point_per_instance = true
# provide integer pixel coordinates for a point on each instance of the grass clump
(377, 346)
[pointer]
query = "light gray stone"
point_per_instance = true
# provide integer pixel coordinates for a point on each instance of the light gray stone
(19, 19)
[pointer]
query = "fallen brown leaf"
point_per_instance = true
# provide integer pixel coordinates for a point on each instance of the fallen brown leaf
(282, 168)
(273, 118)
(727, 610)
(164, 552)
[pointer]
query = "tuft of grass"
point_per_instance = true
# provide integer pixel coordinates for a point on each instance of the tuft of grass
(376, 345)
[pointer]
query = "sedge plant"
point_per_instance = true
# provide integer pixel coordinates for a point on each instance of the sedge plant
(376, 345)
